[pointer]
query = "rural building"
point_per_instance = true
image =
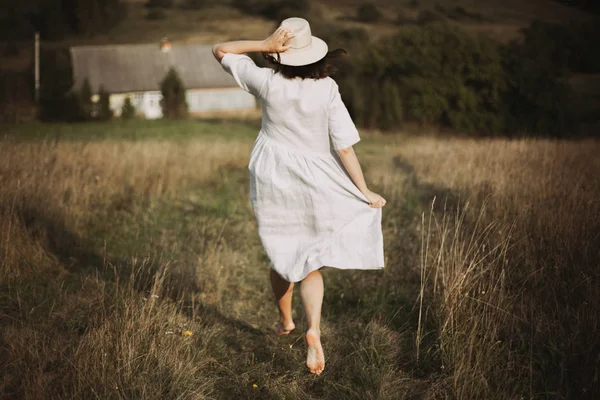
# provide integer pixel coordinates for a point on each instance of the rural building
(136, 70)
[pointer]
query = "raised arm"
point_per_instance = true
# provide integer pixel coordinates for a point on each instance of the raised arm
(273, 44)
(350, 161)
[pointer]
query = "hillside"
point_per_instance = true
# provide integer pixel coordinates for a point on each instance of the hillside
(500, 19)
(331, 19)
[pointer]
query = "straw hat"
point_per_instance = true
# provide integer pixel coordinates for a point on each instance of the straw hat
(304, 47)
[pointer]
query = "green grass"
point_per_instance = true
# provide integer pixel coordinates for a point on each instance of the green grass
(363, 317)
(361, 308)
(216, 285)
(132, 130)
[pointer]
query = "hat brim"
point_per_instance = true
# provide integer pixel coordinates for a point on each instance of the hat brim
(310, 54)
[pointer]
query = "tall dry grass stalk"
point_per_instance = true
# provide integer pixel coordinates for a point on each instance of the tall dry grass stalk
(509, 267)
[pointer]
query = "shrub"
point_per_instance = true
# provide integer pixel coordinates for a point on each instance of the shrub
(159, 4)
(460, 13)
(128, 110)
(55, 19)
(436, 74)
(584, 37)
(194, 4)
(104, 111)
(355, 40)
(404, 18)
(55, 82)
(85, 100)
(11, 49)
(173, 102)
(274, 9)
(430, 16)
(392, 109)
(586, 5)
(368, 12)
(156, 14)
(16, 96)
(537, 96)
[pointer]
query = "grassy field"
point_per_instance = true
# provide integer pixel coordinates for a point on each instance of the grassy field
(130, 268)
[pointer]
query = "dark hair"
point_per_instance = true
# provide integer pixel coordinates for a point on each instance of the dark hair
(317, 70)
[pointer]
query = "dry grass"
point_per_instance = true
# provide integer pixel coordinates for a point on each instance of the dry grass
(112, 250)
(51, 195)
(509, 264)
(72, 182)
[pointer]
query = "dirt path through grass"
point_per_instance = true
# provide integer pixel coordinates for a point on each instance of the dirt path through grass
(134, 270)
(218, 272)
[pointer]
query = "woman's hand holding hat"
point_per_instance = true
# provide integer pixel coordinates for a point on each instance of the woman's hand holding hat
(276, 43)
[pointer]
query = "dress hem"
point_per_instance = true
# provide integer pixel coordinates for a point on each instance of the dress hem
(311, 270)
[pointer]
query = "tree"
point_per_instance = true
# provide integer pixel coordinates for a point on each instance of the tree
(159, 3)
(435, 74)
(537, 98)
(195, 4)
(89, 17)
(274, 9)
(156, 14)
(430, 16)
(85, 100)
(54, 19)
(104, 111)
(173, 102)
(128, 110)
(57, 102)
(368, 12)
(51, 21)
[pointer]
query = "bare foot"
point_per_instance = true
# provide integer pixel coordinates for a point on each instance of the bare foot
(285, 329)
(315, 359)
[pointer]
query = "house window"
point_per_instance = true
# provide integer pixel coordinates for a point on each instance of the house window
(194, 100)
(138, 99)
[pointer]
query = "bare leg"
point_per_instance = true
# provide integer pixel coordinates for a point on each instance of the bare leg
(283, 291)
(311, 292)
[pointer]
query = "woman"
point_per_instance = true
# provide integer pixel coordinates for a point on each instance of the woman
(312, 205)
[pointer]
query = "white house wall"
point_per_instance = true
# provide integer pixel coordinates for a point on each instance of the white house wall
(199, 100)
(219, 100)
(145, 103)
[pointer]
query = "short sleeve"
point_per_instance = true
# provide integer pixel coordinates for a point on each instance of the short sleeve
(247, 75)
(342, 130)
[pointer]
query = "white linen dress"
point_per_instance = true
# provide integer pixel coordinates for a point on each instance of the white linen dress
(309, 212)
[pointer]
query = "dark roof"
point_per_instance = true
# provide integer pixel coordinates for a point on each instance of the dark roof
(141, 67)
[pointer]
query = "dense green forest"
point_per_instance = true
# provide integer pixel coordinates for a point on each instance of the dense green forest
(586, 5)
(436, 73)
